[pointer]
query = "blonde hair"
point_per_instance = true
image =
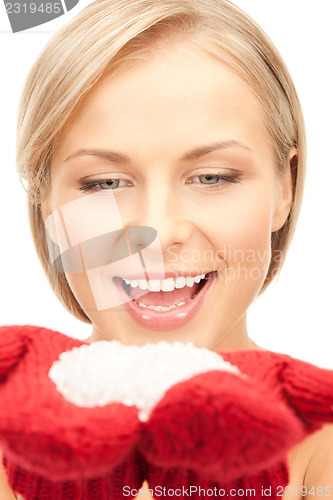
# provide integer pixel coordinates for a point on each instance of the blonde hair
(111, 34)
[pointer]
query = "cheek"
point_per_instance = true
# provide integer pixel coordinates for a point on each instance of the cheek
(88, 242)
(251, 234)
(241, 235)
(80, 286)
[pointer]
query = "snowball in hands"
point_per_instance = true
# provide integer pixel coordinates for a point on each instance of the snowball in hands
(110, 372)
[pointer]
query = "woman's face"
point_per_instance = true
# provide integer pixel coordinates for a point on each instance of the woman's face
(180, 144)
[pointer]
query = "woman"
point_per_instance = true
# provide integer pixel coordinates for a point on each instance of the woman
(175, 126)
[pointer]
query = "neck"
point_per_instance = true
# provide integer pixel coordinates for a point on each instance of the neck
(237, 338)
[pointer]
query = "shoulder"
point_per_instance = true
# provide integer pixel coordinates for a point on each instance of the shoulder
(319, 473)
(311, 467)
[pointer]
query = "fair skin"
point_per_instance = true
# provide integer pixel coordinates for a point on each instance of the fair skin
(156, 113)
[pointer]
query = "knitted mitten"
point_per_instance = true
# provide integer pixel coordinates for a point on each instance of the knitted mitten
(248, 425)
(105, 416)
(53, 449)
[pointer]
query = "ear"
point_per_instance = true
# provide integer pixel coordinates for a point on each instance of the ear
(285, 193)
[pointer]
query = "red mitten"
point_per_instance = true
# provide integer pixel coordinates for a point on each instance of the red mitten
(304, 387)
(220, 425)
(64, 447)
(249, 423)
(14, 344)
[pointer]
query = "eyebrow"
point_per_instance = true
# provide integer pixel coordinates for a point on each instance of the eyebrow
(117, 157)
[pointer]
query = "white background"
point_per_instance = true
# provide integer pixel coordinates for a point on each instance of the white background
(294, 316)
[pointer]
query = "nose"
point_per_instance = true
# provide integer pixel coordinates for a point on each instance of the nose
(164, 211)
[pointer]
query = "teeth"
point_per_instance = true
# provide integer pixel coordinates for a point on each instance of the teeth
(166, 285)
(142, 284)
(189, 281)
(160, 308)
(180, 282)
(154, 285)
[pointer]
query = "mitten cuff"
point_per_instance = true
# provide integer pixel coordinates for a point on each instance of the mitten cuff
(110, 486)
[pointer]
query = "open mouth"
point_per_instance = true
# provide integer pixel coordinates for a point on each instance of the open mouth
(165, 304)
(165, 295)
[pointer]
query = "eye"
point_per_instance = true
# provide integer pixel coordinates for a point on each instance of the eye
(209, 179)
(213, 180)
(102, 184)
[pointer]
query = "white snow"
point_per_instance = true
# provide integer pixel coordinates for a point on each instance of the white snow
(108, 372)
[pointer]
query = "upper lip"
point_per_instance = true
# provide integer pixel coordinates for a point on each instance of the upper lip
(159, 276)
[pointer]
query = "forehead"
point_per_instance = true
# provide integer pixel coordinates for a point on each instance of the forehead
(175, 97)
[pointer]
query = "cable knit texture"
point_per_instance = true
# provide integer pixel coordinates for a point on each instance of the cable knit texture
(215, 429)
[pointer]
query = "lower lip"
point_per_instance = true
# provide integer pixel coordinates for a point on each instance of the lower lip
(165, 320)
